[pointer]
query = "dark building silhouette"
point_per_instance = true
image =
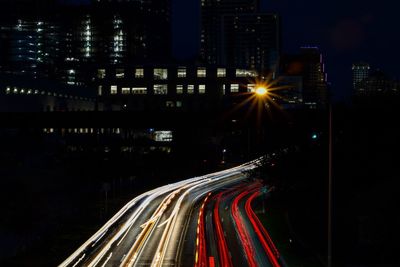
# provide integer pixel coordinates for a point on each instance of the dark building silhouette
(378, 84)
(251, 41)
(237, 34)
(309, 65)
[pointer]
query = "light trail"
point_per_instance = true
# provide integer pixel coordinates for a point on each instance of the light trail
(264, 237)
(243, 234)
(201, 252)
(104, 239)
(223, 250)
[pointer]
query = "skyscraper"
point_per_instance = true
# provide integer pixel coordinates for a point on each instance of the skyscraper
(361, 72)
(212, 12)
(251, 41)
(310, 66)
(73, 41)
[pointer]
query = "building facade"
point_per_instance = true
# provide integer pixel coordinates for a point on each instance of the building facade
(237, 34)
(378, 84)
(361, 72)
(251, 41)
(68, 42)
(309, 65)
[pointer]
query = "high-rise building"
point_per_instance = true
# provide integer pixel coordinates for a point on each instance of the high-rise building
(72, 41)
(361, 72)
(212, 13)
(310, 66)
(377, 84)
(30, 46)
(251, 41)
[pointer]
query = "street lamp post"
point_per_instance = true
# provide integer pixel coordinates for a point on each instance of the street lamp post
(330, 189)
(261, 92)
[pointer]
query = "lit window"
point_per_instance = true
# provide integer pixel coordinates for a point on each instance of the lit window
(139, 90)
(170, 104)
(201, 72)
(221, 72)
(163, 136)
(202, 89)
(178, 104)
(114, 89)
(160, 89)
(119, 73)
(190, 89)
(235, 88)
(139, 73)
(223, 89)
(101, 73)
(179, 89)
(251, 88)
(126, 90)
(245, 73)
(181, 72)
(100, 90)
(160, 74)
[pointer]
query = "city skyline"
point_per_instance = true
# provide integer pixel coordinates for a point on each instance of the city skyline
(350, 34)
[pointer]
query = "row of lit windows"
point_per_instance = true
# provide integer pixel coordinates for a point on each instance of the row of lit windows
(84, 130)
(162, 89)
(162, 73)
(22, 91)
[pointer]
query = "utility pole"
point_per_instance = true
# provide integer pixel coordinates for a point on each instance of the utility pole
(330, 190)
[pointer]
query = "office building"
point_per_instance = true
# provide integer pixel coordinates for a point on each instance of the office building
(378, 84)
(360, 73)
(239, 19)
(68, 42)
(310, 66)
(251, 41)
(172, 87)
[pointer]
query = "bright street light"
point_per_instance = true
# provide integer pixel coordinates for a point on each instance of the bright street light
(261, 91)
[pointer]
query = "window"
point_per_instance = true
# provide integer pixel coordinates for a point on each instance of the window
(178, 104)
(160, 74)
(170, 104)
(139, 90)
(179, 89)
(114, 89)
(181, 72)
(139, 73)
(101, 73)
(221, 72)
(251, 88)
(245, 73)
(126, 90)
(100, 90)
(190, 89)
(235, 88)
(119, 73)
(201, 72)
(202, 89)
(223, 89)
(160, 89)
(163, 136)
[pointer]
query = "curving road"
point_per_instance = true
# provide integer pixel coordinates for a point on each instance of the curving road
(203, 221)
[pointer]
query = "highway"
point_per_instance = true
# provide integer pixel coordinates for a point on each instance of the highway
(202, 221)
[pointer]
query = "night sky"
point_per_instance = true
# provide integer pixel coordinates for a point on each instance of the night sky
(345, 30)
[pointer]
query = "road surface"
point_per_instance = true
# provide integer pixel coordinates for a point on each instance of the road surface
(203, 221)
